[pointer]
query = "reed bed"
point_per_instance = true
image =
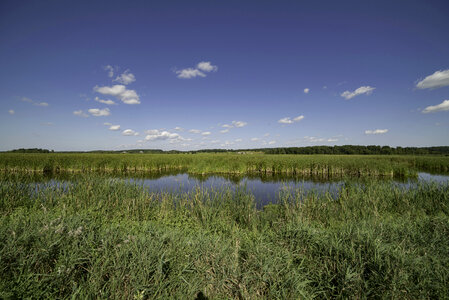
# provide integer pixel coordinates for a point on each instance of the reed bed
(228, 163)
(91, 236)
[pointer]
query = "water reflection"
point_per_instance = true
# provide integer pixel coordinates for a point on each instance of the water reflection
(266, 189)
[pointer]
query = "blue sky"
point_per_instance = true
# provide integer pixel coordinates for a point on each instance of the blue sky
(86, 75)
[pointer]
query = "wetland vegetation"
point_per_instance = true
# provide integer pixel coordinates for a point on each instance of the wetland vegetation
(92, 233)
(231, 163)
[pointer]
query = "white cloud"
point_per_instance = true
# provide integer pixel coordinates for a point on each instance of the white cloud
(110, 70)
(234, 124)
(288, 120)
(194, 131)
(298, 118)
(313, 139)
(129, 132)
(120, 92)
(443, 106)
(28, 100)
(201, 67)
(177, 128)
(206, 66)
(80, 113)
(189, 73)
(239, 124)
(434, 81)
(306, 91)
(266, 134)
(215, 141)
(114, 127)
(154, 135)
(206, 133)
(11, 111)
(377, 131)
(271, 142)
(285, 120)
(107, 124)
(238, 140)
(330, 140)
(108, 102)
(96, 112)
(126, 78)
(224, 131)
(360, 91)
(254, 139)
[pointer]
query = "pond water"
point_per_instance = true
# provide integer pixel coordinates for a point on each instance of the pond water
(265, 189)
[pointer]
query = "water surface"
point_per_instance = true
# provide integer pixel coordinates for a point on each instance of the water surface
(266, 189)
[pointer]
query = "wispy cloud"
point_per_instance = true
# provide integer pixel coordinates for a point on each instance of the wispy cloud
(306, 91)
(206, 133)
(189, 73)
(288, 120)
(194, 131)
(360, 91)
(376, 131)
(108, 102)
(11, 111)
(199, 71)
(434, 81)
(234, 124)
(120, 92)
(96, 112)
(126, 78)
(443, 106)
(80, 113)
(28, 100)
(110, 70)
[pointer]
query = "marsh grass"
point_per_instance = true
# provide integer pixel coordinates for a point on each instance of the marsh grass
(229, 163)
(93, 236)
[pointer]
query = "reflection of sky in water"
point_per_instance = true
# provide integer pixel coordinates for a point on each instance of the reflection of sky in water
(264, 189)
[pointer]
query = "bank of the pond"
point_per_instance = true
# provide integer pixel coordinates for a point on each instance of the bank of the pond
(230, 163)
(98, 237)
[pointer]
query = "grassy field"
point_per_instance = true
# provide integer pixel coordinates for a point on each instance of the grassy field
(231, 163)
(96, 237)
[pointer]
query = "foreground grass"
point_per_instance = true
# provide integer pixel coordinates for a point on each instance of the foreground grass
(231, 163)
(96, 237)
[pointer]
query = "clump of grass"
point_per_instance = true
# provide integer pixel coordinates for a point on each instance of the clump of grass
(91, 236)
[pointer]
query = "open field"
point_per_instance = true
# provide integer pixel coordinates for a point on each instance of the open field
(358, 165)
(94, 236)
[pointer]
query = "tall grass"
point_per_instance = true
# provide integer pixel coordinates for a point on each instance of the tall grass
(92, 236)
(322, 165)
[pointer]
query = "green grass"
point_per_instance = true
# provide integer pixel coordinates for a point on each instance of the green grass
(94, 237)
(230, 163)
